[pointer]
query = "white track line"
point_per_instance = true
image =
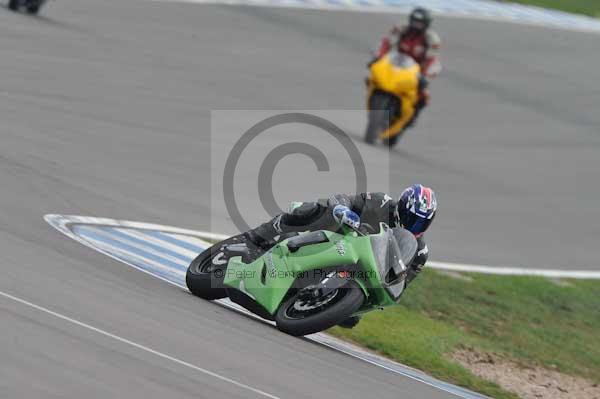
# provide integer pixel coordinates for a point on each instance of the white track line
(133, 244)
(105, 248)
(473, 9)
(138, 346)
(156, 241)
(61, 222)
(514, 271)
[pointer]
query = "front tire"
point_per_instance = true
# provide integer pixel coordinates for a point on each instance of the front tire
(372, 129)
(391, 142)
(379, 119)
(204, 279)
(14, 5)
(297, 319)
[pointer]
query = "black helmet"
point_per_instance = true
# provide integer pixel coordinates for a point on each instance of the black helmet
(419, 19)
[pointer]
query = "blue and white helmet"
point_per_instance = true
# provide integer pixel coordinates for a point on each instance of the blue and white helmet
(416, 209)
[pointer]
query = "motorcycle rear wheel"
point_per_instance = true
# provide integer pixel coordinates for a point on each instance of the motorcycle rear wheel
(204, 279)
(14, 5)
(341, 304)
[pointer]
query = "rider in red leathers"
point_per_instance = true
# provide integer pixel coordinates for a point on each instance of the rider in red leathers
(421, 43)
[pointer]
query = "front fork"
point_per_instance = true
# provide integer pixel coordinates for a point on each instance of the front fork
(407, 111)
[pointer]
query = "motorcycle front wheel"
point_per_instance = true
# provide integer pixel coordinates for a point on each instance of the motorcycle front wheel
(379, 121)
(372, 129)
(391, 142)
(298, 316)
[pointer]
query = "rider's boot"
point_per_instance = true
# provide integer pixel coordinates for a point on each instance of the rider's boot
(263, 236)
(350, 322)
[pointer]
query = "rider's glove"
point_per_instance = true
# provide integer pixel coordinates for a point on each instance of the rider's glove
(346, 216)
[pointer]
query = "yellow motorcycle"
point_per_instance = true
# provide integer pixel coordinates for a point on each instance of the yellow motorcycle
(393, 93)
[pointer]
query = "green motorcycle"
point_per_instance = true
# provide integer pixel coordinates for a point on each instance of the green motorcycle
(308, 282)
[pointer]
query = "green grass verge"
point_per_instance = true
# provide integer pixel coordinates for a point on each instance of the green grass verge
(587, 7)
(527, 319)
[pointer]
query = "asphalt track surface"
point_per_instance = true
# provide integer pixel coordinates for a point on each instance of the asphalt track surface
(105, 110)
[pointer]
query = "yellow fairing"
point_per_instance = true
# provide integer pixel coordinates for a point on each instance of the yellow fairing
(401, 80)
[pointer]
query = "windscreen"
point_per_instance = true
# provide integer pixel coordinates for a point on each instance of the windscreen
(401, 60)
(394, 250)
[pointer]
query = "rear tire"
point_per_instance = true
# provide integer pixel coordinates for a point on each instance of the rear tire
(14, 5)
(381, 101)
(204, 279)
(349, 299)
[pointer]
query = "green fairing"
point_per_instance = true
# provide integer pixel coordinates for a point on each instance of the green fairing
(268, 279)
